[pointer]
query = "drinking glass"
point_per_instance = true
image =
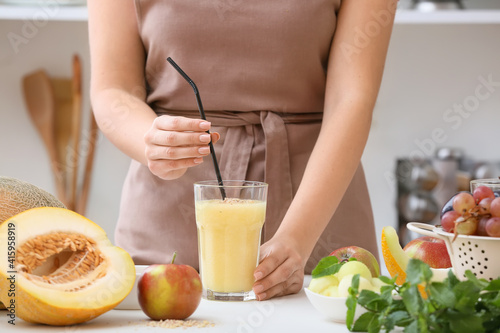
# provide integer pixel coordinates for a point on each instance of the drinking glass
(229, 235)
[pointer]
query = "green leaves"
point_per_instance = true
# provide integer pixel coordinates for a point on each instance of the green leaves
(327, 266)
(471, 305)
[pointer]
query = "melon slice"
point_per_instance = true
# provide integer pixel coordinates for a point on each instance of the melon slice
(68, 271)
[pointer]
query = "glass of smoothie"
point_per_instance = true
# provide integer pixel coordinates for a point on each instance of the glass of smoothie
(229, 233)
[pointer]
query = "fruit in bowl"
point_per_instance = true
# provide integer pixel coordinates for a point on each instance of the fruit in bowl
(430, 250)
(476, 213)
(329, 287)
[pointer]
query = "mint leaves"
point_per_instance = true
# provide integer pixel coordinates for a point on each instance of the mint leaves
(454, 306)
(327, 266)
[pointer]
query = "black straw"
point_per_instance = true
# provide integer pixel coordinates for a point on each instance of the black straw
(202, 115)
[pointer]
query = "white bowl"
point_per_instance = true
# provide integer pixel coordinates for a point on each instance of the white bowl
(333, 308)
(131, 302)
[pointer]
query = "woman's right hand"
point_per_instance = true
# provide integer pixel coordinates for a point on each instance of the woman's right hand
(174, 144)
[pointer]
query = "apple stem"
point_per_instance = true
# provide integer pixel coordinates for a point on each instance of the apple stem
(173, 257)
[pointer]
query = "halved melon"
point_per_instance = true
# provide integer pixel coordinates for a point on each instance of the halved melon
(68, 271)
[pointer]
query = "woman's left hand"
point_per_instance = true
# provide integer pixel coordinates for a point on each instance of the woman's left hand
(281, 269)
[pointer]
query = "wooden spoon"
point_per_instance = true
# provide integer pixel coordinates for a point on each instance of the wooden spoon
(63, 93)
(89, 163)
(76, 127)
(39, 98)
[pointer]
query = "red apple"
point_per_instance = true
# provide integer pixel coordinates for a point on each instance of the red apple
(169, 291)
(430, 250)
(360, 254)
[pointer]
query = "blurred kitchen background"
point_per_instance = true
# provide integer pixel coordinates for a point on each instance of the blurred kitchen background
(436, 123)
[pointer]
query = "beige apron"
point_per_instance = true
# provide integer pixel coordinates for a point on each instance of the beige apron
(260, 69)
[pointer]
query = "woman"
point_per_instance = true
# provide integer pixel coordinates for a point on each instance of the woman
(288, 87)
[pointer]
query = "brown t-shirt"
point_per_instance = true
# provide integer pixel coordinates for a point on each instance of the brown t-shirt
(260, 67)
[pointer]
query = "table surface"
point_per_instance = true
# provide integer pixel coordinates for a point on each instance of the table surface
(292, 313)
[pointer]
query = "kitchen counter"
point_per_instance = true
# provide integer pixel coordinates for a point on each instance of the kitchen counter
(292, 313)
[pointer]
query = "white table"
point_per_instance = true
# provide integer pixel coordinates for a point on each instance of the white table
(293, 313)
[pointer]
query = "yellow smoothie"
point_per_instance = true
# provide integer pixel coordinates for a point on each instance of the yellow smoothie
(228, 241)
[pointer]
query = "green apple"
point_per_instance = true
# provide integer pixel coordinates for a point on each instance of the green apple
(318, 285)
(345, 283)
(354, 267)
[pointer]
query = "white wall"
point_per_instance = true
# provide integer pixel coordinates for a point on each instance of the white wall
(23, 153)
(429, 68)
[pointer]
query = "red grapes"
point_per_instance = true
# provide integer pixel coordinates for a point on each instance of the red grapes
(483, 192)
(463, 202)
(473, 214)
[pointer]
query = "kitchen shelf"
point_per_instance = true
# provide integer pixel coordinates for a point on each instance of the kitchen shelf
(403, 16)
(42, 12)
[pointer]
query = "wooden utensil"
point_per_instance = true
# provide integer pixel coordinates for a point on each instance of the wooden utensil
(39, 98)
(93, 134)
(76, 127)
(63, 118)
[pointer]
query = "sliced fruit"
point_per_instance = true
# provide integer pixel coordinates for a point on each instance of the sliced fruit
(68, 271)
(331, 291)
(354, 267)
(345, 283)
(318, 285)
(396, 260)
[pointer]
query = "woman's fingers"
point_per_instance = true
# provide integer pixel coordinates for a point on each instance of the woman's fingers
(175, 123)
(287, 278)
(280, 271)
(175, 153)
(290, 286)
(173, 138)
(174, 144)
(172, 169)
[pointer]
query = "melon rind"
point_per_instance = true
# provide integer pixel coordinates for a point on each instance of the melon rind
(17, 196)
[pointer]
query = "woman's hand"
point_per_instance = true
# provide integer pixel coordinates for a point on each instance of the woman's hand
(281, 269)
(174, 144)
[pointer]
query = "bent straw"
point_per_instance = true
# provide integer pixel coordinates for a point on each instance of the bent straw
(202, 115)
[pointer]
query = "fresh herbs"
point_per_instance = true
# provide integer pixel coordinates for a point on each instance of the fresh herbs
(419, 305)
(328, 266)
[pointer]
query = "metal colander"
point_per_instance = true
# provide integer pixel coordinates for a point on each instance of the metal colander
(474, 253)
